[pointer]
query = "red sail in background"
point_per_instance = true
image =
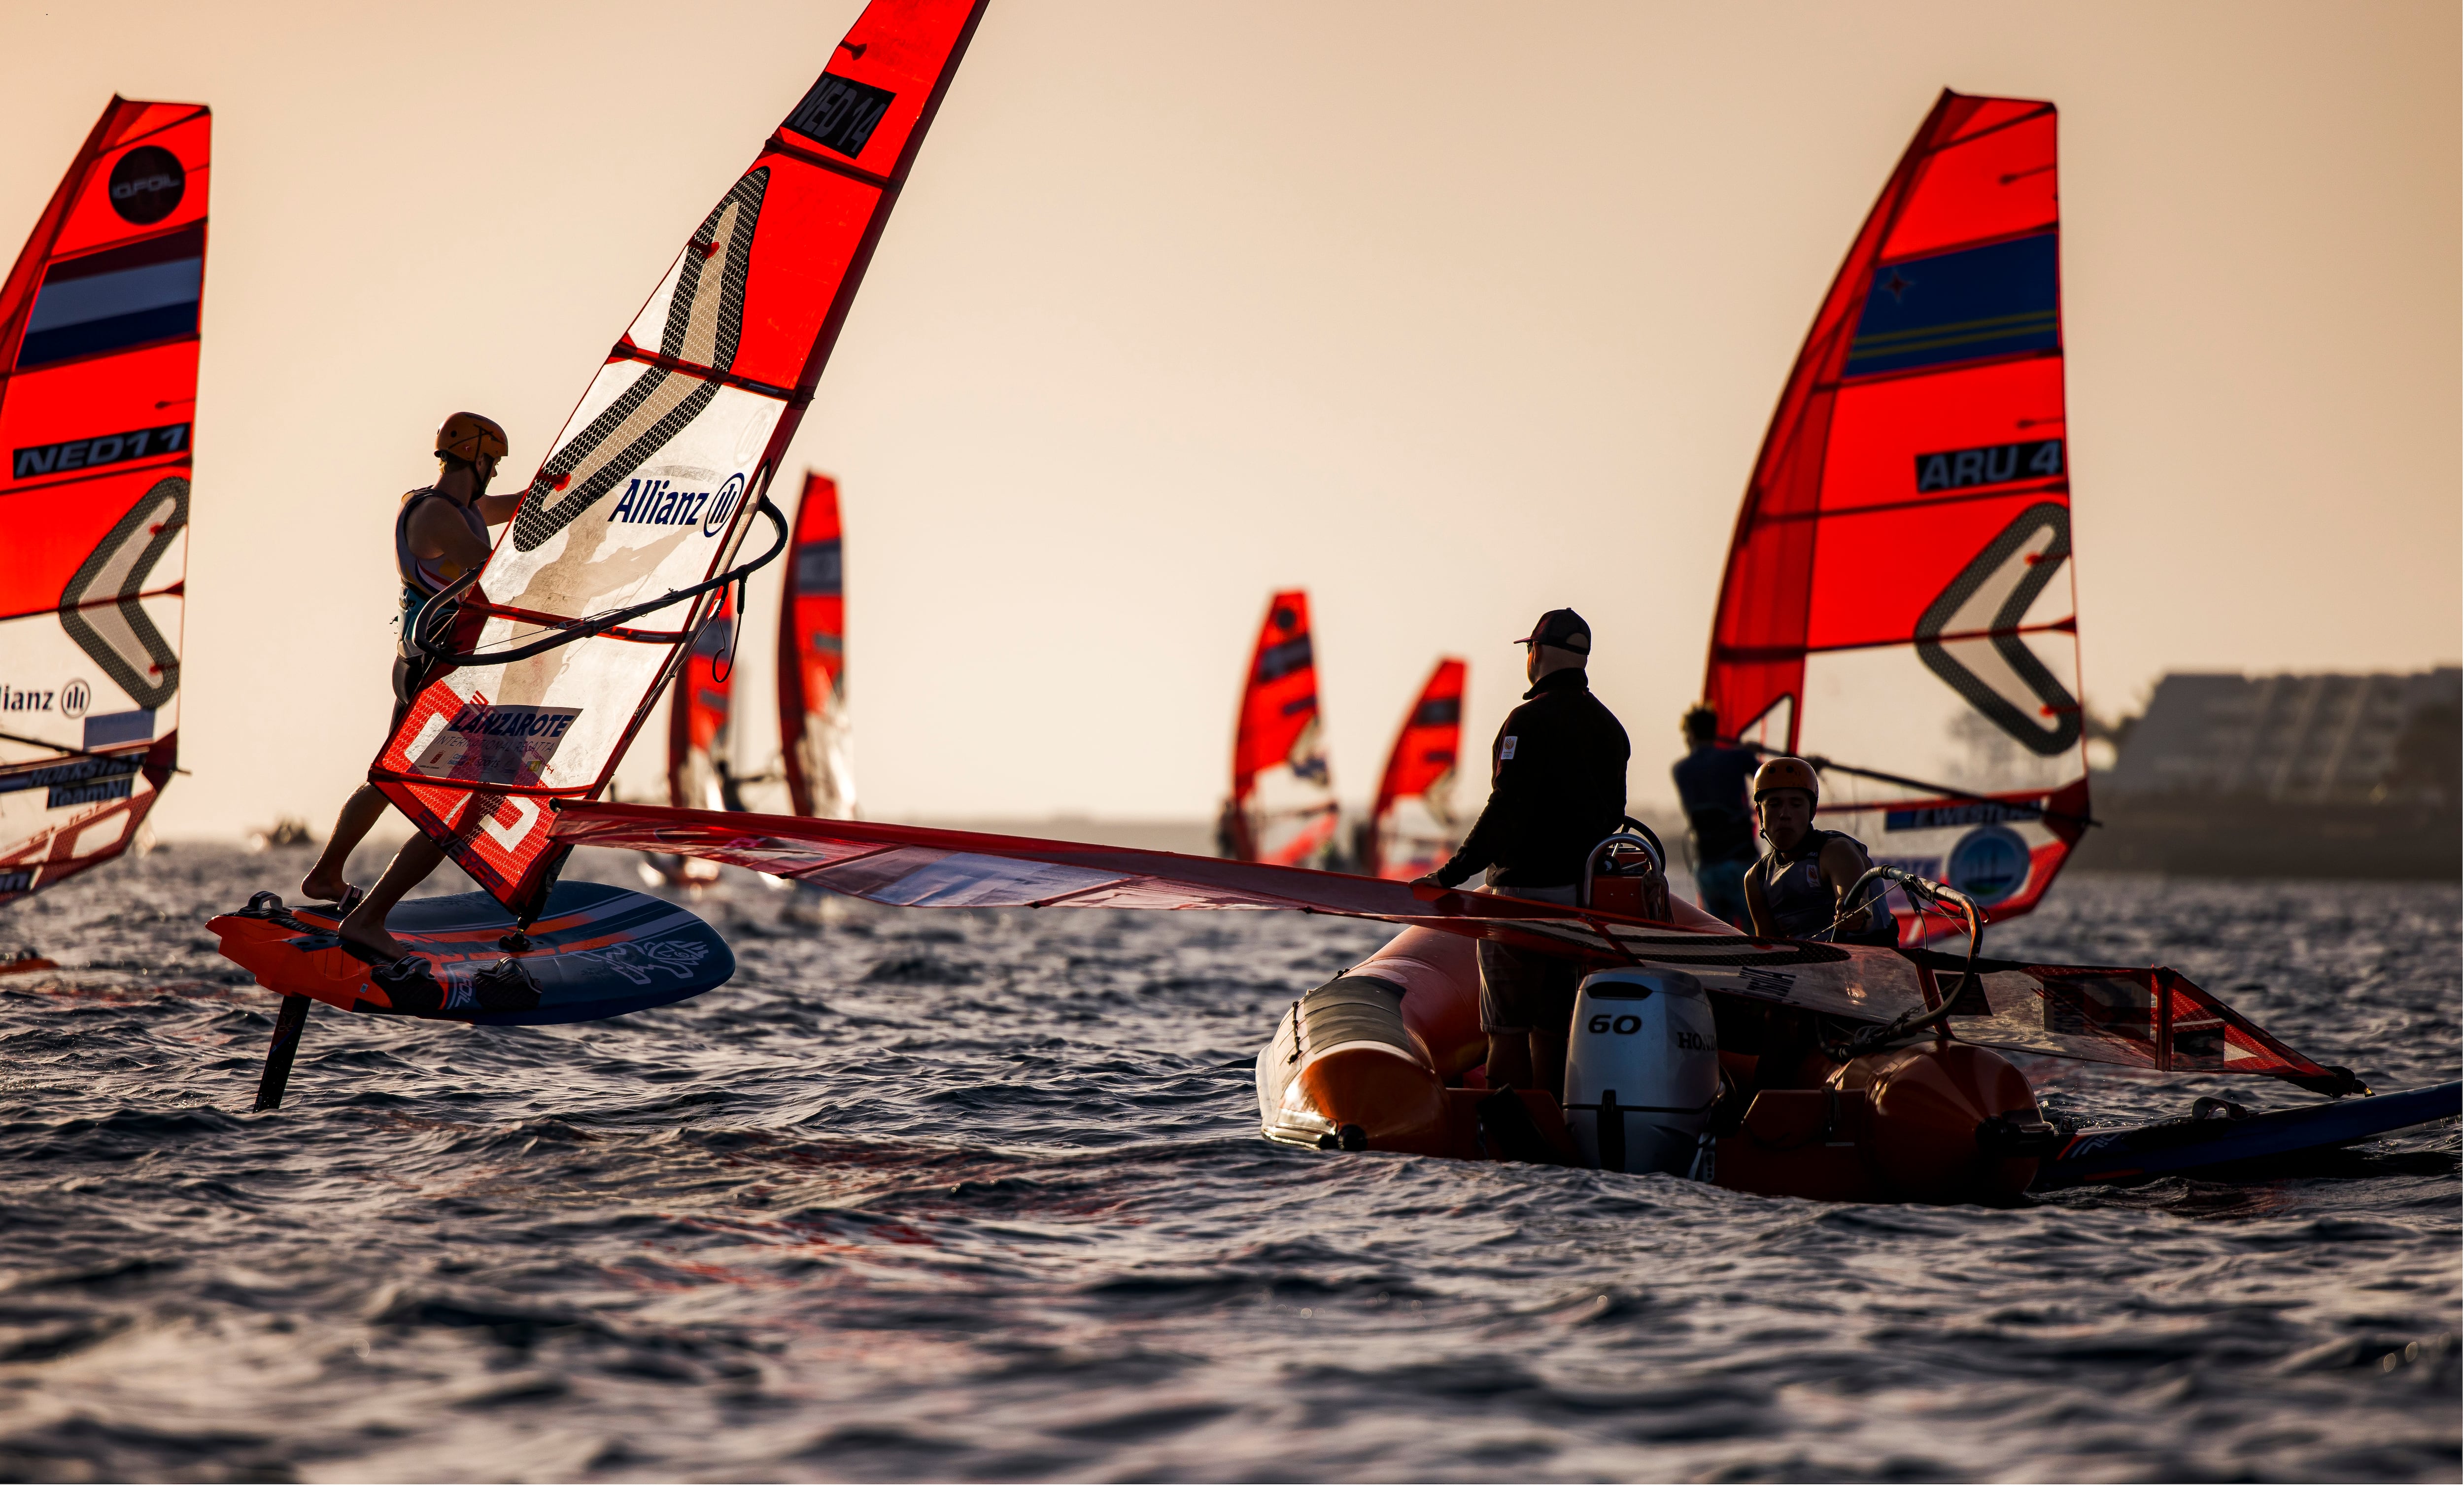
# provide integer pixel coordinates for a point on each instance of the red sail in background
(1898, 595)
(1410, 827)
(700, 768)
(814, 740)
(99, 324)
(2136, 1016)
(699, 771)
(650, 487)
(1283, 807)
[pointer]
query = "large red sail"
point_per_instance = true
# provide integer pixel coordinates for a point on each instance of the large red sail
(815, 743)
(650, 486)
(1898, 593)
(1411, 828)
(1283, 807)
(2137, 1016)
(98, 337)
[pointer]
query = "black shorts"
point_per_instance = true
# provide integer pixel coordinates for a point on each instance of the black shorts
(1523, 990)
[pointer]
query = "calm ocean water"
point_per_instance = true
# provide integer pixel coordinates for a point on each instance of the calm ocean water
(979, 1194)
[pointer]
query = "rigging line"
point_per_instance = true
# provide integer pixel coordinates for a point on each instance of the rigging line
(1818, 761)
(588, 624)
(74, 753)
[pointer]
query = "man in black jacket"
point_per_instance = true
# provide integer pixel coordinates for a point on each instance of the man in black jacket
(1557, 788)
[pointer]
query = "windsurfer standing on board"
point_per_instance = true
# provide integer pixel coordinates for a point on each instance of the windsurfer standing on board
(1557, 789)
(439, 534)
(1795, 890)
(1711, 784)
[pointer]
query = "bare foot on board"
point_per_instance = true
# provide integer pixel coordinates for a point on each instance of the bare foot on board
(325, 890)
(368, 932)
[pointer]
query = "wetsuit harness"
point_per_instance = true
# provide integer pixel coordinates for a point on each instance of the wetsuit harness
(424, 578)
(1803, 906)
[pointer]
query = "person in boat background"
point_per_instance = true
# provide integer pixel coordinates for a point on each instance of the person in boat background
(1713, 781)
(1796, 890)
(440, 533)
(1557, 788)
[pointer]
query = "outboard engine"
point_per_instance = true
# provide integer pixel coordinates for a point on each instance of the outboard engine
(1642, 1072)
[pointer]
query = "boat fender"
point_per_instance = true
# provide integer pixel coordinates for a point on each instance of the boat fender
(1644, 1064)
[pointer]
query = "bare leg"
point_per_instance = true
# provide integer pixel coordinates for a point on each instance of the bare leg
(324, 883)
(366, 924)
(1549, 1063)
(1510, 1060)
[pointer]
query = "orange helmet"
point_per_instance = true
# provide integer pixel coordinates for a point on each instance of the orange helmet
(469, 436)
(1784, 772)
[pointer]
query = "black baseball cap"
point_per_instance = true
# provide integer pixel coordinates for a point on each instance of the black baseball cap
(1563, 629)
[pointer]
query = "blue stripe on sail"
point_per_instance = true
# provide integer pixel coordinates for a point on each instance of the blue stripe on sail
(91, 337)
(94, 297)
(1961, 307)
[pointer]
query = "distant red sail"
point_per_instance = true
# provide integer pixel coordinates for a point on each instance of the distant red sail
(99, 340)
(2136, 1016)
(698, 764)
(651, 487)
(1283, 807)
(1899, 595)
(814, 737)
(1410, 827)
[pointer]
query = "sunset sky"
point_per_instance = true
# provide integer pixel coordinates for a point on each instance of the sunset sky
(1450, 313)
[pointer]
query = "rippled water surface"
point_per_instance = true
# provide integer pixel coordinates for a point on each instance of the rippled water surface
(979, 1194)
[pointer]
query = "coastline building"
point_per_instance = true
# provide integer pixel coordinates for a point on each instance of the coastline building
(2322, 775)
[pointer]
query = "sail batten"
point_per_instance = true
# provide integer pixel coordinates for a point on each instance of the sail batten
(100, 334)
(1898, 593)
(650, 486)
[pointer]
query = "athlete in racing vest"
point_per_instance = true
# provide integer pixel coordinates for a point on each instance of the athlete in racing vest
(1558, 788)
(1711, 784)
(439, 534)
(1796, 889)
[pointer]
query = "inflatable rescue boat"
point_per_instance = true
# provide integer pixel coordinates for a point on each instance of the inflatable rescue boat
(1388, 1057)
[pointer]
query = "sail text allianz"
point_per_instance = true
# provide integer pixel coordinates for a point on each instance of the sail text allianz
(657, 503)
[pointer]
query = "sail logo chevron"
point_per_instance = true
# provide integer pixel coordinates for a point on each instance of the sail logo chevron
(705, 321)
(1970, 635)
(102, 609)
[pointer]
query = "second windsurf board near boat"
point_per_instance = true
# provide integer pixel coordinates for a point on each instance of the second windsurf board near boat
(2219, 1136)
